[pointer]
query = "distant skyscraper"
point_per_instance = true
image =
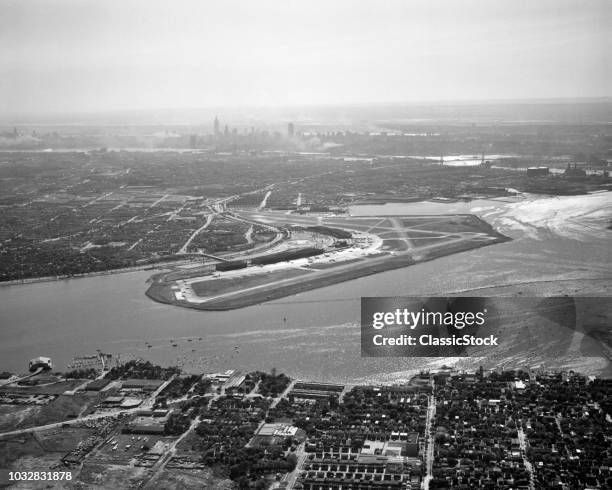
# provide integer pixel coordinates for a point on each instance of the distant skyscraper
(217, 127)
(290, 130)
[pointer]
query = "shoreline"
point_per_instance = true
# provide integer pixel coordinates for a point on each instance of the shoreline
(122, 270)
(178, 260)
(437, 365)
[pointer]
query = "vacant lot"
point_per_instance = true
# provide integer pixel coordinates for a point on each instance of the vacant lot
(12, 415)
(64, 407)
(16, 447)
(187, 479)
(64, 439)
(50, 389)
(104, 476)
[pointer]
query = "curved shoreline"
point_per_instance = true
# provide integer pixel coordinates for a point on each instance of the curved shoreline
(123, 270)
(181, 259)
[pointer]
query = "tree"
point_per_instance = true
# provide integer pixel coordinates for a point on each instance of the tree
(238, 470)
(261, 484)
(292, 460)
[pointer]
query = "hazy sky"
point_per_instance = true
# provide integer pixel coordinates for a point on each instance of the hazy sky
(94, 55)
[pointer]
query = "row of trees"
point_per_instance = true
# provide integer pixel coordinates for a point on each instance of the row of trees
(86, 373)
(272, 384)
(143, 370)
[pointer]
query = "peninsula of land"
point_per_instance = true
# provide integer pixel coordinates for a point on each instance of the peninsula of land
(318, 250)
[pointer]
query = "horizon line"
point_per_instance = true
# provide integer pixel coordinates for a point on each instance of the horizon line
(322, 105)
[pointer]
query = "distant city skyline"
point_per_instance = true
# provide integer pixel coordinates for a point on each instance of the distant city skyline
(71, 56)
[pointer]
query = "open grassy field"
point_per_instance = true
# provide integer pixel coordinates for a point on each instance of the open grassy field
(47, 389)
(16, 447)
(12, 415)
(103, 476)
(186, 479)
(62, 408)
(64, 439)
(213, 287)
